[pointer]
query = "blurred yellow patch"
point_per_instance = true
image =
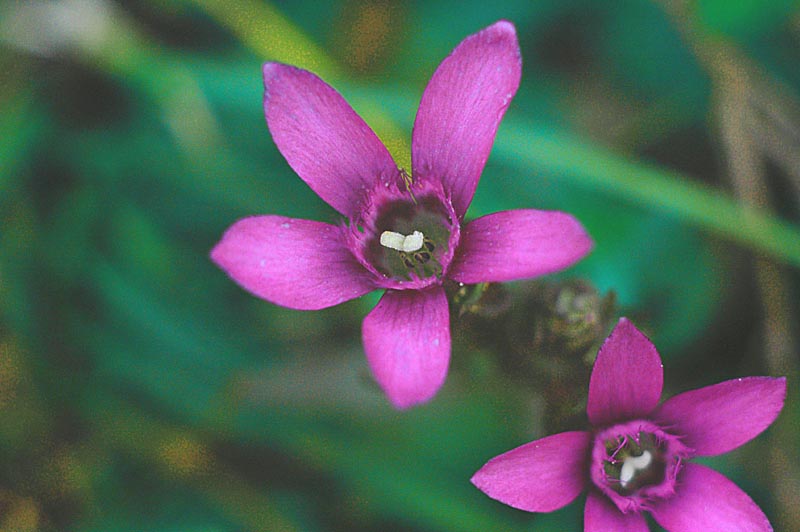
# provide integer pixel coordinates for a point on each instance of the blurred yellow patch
(20, 514)
(184, 456)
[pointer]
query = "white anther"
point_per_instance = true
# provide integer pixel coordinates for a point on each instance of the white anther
(413, 242)
(631, 465)
(399, 242)
(392, 240)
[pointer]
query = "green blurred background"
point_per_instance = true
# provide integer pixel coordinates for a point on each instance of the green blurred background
(141, 389)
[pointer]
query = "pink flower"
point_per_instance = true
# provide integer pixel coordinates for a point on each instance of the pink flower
(635, 456)
(406, 236)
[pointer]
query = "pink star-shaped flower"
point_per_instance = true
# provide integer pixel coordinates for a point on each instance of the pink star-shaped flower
(403, 235)
(635, 458)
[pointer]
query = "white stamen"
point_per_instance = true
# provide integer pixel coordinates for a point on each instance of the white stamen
(413, 242)
(631, 465)
(392, 240)
(399, 242)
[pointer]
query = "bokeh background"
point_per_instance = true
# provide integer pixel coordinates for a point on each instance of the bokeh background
(140, 389)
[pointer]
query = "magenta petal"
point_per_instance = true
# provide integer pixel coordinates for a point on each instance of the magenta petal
(705, 500)
(298, 264)
(407, 342)
(518, 244)
(627, 377)
(716, 419)
(461, 109)
(329, 146)
(540, 476)
(602, 515)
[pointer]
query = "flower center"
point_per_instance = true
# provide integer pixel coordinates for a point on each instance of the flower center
(633, 462)
(407, 241)
(413, 238)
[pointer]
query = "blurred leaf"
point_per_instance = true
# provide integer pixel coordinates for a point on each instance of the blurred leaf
(375, 458)
(273, 37)
(265, 30)
(22, 126)
(143, 494)
(600, 170)
(743, 19)
(641, 46)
